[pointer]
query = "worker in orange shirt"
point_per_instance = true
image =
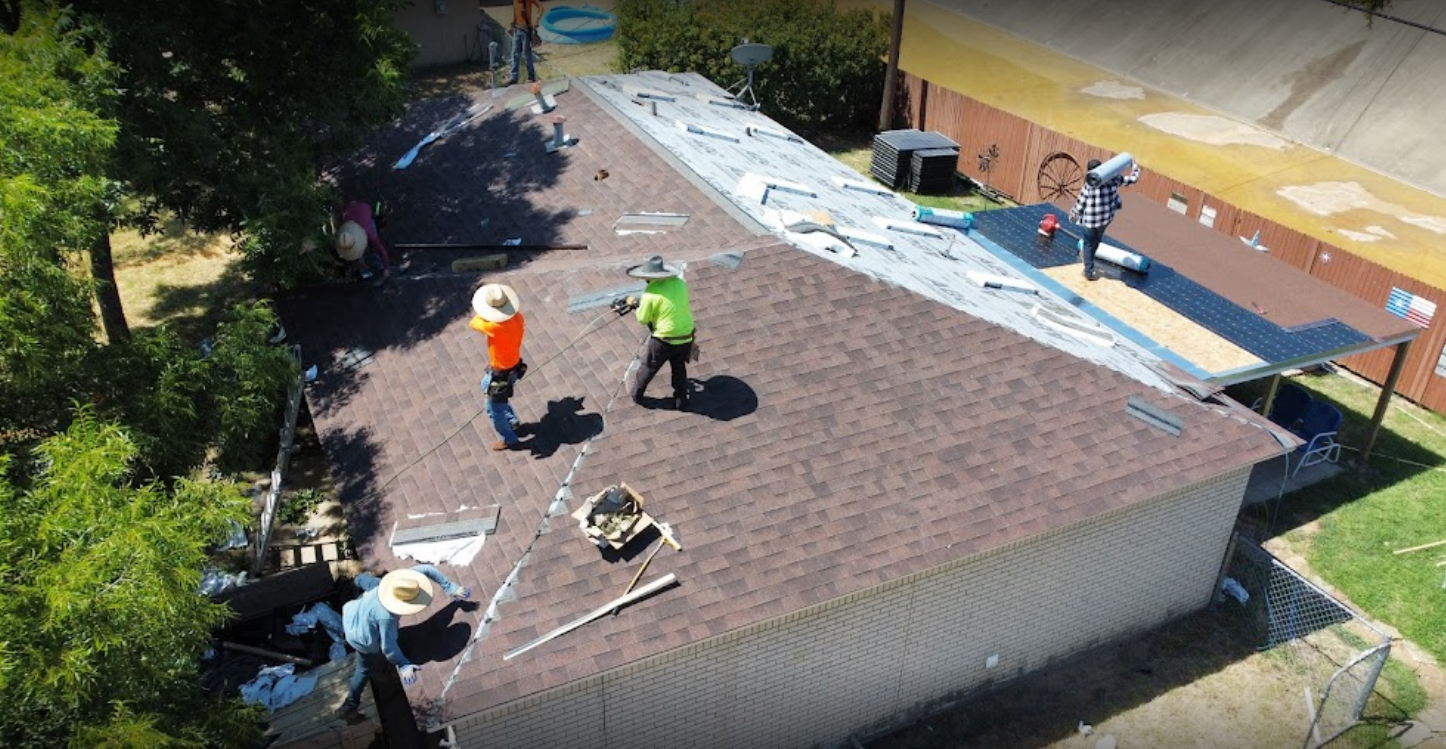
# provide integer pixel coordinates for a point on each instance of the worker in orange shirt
(499, 318)
(524, 27)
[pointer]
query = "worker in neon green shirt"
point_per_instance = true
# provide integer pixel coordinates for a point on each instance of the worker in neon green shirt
(664, 309)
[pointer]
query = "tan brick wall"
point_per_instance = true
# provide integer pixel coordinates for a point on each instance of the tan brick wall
(857, 663)
(442, 38)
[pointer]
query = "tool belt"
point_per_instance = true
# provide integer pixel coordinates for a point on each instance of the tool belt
(681, 341)
(500, 387)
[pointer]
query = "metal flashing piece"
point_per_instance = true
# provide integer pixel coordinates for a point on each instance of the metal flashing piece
(356, 358)
(654, 219)
(654, 95)
(1005, 283)
(790, 137)
(907, 227)
(700, 130)
(729, 260)
(446, 531)
(861, 186)
(1155, 416)
(1075, 325)
(730, 104)
(867, 237)
(1301, 328)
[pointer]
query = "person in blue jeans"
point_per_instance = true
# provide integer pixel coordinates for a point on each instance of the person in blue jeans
(524, 25)
(369, 623)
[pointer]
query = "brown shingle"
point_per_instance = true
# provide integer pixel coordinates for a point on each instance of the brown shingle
(845, 432)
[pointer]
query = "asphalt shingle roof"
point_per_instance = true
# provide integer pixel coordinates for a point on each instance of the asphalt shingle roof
(845, 431)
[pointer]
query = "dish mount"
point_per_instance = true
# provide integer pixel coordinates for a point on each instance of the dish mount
(750, 55)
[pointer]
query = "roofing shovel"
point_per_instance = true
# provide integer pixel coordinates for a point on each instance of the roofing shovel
(442, 132)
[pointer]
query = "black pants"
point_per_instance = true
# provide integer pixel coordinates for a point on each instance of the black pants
(658, 352)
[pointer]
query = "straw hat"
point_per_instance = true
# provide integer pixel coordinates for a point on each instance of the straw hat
(404, 592)
(351, 241)
(495, 302)
(654, 268)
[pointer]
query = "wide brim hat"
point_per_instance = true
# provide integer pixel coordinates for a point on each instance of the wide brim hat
(404, 592)
(654, 268)
(496, 302)
(351, 241)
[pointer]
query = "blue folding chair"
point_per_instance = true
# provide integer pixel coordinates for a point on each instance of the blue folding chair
(1318, 427)
(1291, 402)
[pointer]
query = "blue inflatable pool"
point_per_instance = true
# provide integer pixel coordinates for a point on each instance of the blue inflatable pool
(585, 25)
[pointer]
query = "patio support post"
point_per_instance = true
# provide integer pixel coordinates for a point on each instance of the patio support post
(891, 74)
(1269, 401)
(1384, 401)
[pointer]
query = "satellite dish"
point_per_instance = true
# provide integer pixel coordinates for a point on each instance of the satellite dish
(749, 55)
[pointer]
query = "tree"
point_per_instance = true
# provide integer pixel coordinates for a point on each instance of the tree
(101, 622)
(826, 71)
(55, 151)
(229, 108)
(181, 403)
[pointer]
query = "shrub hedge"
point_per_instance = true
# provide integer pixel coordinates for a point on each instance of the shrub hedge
(827, 70)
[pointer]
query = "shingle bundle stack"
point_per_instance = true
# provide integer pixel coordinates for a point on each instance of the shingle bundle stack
(931, 171)
(893, 161)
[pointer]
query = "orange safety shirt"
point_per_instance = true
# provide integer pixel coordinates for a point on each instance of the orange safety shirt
(522, 17)
(504, 340)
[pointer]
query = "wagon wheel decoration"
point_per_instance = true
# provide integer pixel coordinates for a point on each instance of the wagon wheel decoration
(1060, 176)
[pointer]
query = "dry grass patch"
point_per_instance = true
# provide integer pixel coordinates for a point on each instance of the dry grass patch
(178, 277)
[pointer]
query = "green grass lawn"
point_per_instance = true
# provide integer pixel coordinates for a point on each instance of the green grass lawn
(855, 151)
(1348, 527)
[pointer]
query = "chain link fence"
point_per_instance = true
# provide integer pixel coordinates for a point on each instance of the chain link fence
(1336, 652)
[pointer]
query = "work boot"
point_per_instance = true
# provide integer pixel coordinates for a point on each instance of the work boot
(499, 445)
(349, 715)
(1091, 275)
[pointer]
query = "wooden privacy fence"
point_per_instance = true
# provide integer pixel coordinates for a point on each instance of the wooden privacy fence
(1029, 162)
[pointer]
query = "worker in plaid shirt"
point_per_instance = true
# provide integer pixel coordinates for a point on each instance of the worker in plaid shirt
(1095, 209)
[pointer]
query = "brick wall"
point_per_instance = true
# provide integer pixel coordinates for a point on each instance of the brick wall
(865, 662)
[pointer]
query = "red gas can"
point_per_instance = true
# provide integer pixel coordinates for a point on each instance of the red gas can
(1048, 225)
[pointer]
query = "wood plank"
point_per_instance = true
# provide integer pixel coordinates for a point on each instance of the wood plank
(281, 590)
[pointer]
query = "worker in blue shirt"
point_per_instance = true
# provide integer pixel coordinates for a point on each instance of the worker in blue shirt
(370, 624)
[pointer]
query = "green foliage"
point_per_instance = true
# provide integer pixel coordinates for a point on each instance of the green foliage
(178, 401)
(229, 108)
(827, 69)
(101, 619)
(297, 507)
(54, 150)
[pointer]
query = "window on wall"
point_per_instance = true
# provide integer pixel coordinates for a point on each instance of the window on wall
(1441, 364)
(1207, 216)
(1178, 203)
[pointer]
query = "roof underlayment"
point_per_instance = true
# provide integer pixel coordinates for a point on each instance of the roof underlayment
(714, 141)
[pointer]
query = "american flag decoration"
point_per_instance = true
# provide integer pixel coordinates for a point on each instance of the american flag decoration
(1403, 303)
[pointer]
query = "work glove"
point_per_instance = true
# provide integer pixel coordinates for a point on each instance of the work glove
(409, 674)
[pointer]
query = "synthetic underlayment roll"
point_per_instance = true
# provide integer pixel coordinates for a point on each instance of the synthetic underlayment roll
(1109, 170)
(1121, 257)
(943, 217)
